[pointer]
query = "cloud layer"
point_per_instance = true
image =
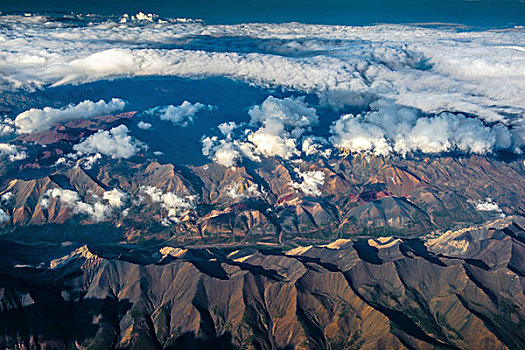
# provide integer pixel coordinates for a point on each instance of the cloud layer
(34, 120)
(435, 70)
(423, 90)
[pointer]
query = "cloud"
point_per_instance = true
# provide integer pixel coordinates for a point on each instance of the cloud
(115, 143)
(227, 152)
(34, 120)
(89, 161)
(277, 125)
(487, 205)
(227, 128)
(116, 198)
(283, 122)
(289, 113)
(240, 190)
(313, 145)
(223, 152)
(312, 180)
(7, 127)
(4, 216)
(143, 125)
(390, 128)
(182, 115)
(476, 73)
(6, 197)
(174, 205)
(434, 70)
(11, 152)
(100, 210)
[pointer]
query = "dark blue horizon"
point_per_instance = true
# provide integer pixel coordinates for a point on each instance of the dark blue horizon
(477, 13)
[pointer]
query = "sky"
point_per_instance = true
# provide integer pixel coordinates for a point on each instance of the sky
(476, 13)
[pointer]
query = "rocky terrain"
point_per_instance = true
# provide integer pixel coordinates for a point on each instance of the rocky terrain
(273, 201)
(341, 252)
(463, 289)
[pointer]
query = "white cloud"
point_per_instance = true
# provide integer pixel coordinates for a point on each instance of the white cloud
(270, 141)
(279, 122)
(115, 143)
(140, 17)
(224, 153)
(227, 128)
(313, 145)
(116, 198)
(239, 190)
(11, 152)
(487, 205)
(143, 125)
(283, 122)
(4, 216)
(174, 205)
(87, 162)
(34, 119)
(7, 126)
(392, 128)
(99, 210)
(290, 114)
(182, 115)
(435, 70)
(478, 73)
(6, 197)
(312, 180)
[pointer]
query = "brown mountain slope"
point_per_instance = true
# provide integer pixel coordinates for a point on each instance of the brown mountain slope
(462, 290)
(270, 201)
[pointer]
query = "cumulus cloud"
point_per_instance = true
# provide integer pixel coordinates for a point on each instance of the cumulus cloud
(283, 122)
(116, 198)
(313, 145)
(390, 128)
(143, 125)
(292, 114)
(34, 119)
(312, 180)
(487, 205)
(7, 126)
(182, 115)
(174, 205)
(11, 152)
(115, 143)
(227, 128)
(241, 190)
(6, 197)
(100, 210)
(277, 125)
(4, 216)
(87, 162)
(223, 152)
